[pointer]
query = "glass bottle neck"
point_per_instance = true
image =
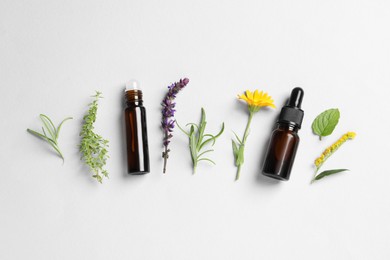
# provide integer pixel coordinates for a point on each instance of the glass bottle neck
(287, 126)
(133, 97)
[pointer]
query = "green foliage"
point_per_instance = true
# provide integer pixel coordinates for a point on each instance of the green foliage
(198, 140)
(327, 173)
(239, 145)
(238, 149)
(325, 123)
(52, 133)
(93, 147)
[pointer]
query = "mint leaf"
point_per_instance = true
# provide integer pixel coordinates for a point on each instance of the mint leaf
(325, 123)
(327, 173)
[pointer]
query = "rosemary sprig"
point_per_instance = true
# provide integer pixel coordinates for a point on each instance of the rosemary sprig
(93, 147)
(198, 140)
(53, 133)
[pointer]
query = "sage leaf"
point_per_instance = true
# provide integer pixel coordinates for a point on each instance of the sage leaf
(326, 122)
(327, 173)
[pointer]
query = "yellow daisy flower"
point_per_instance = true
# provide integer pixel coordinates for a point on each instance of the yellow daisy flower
(257, 100)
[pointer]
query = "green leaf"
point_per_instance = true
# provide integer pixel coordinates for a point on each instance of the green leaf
(184, 131)
(235, 149)
(326, 122)
(206, 159)
(238, 138)
(51, 129)
(240, 155)
(37, 134)
(193, 151)
(202, 153)
(327, 173)
(59, 127)
(202, 127)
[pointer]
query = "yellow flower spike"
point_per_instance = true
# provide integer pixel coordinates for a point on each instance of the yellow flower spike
(333, 148)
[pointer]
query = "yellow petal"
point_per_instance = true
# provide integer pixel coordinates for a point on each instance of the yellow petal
(256, 96)
(243, 97)
(249, 95)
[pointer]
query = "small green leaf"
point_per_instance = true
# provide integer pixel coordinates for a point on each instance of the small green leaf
(326, 122)
(48, 125)
(206, 159)
(235, 149)
(59, 127)
(184, 131)
(238, 138)
(37, 134)
(327, 173)
(202, 127)
(207, 151)
(240, 155)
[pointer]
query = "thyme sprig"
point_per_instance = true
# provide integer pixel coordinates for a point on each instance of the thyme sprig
(198, 140)
(52, 133)
(93, 147)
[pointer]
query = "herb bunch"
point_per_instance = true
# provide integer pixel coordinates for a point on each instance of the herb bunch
(168, 111)
(198, 140)
(51, 137)
(93, 147)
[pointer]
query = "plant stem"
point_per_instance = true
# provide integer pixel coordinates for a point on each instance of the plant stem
(315, 175)
(165, 155)
(238, 172)
(246, 133)
(165, 159)
(247, 128)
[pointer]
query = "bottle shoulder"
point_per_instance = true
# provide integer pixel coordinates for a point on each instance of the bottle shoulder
(129, 109)
(285, 132)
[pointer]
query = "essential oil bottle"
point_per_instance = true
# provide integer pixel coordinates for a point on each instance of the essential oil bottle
(136, 131)
(284, 141)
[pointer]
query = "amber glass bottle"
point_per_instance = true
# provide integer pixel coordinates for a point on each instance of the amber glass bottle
(284, 141)
(136, 131)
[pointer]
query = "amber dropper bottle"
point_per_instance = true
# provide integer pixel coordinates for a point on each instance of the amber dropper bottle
(136, 131)
(284, 141)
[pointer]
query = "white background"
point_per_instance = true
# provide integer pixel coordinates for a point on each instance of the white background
(55, 54)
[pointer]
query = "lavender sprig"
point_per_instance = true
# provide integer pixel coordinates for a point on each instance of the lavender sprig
(168, 111)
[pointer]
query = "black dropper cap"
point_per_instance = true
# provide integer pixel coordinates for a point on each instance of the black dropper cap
(292, 112)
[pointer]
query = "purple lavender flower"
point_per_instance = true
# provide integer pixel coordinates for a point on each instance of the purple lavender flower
(168, 111)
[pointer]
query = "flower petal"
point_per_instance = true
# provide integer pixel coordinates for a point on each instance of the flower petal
(249, 95)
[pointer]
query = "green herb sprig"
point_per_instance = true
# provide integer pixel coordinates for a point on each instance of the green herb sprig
(198, 140)
(52, 134)
(93, 147)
